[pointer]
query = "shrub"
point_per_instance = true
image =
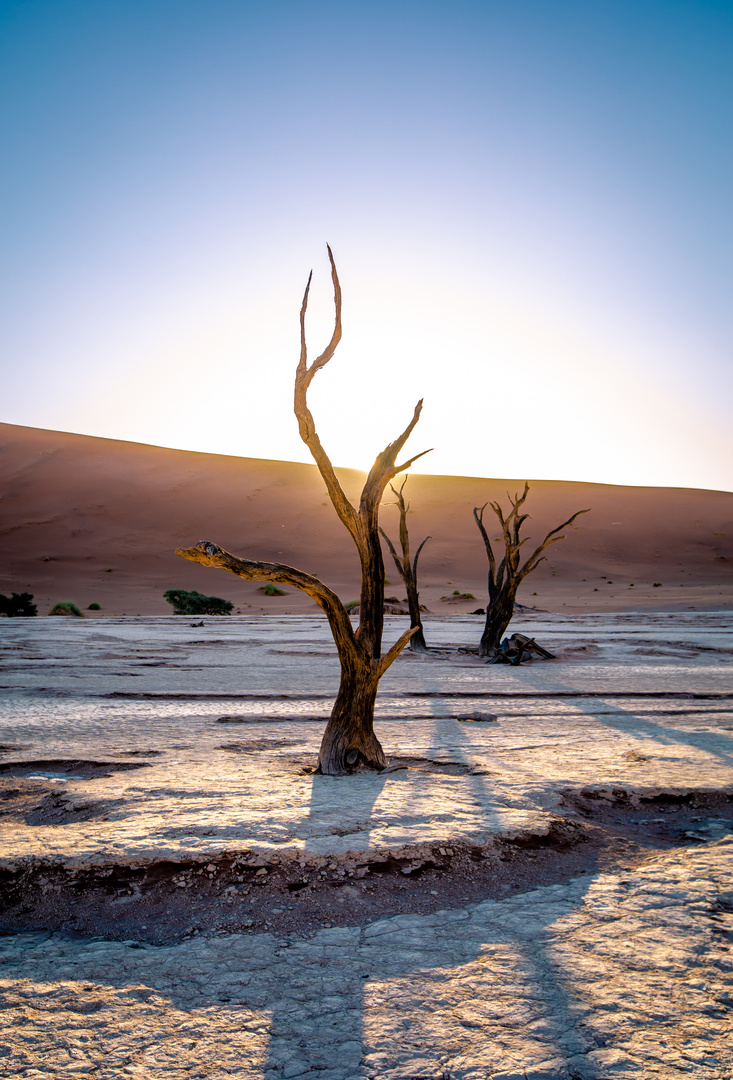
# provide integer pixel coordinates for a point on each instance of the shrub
(66, 607)
(195, 603)
(18, 606)
(94, 607)
(271, 590)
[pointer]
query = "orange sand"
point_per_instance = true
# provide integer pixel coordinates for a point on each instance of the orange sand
(97, 520)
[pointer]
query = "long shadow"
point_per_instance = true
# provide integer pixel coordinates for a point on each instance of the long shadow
(414, 955)
(624, 719)
(318, 993)
(321, 997)
(352, 824)
(479, 976)
(325, 1003)
(411, 951)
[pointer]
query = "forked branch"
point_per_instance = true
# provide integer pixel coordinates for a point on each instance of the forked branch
(306, 425)
(393, 553)
(478, 513)
(417, 556)
(406, 569)
(552, 538)
(392, 653)
(504, 580)
(385, 468)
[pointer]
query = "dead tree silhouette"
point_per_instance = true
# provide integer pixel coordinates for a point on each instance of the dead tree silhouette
(505, 579)
(408, 570)
(349, 741)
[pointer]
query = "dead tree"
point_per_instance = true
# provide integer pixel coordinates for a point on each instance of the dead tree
(512, 650)
(408, 570)
(349, 740)
(505, 579)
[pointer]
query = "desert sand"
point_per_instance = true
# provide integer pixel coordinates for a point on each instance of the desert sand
(97, 521)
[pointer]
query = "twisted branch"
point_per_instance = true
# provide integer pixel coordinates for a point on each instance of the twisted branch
(306, 425)
(208, 554)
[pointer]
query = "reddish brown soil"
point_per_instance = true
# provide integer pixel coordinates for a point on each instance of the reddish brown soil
(238, 892)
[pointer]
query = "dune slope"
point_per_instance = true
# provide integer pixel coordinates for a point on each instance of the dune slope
(97, 520)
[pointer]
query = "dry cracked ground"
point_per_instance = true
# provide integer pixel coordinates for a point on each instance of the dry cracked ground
(540, 887)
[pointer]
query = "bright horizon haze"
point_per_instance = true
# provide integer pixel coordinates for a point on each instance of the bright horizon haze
(529, 206)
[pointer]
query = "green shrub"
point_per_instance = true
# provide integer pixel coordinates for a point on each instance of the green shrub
(94, 607)
(18, 606)
(271, 590)
(195, 603)
(66, 607)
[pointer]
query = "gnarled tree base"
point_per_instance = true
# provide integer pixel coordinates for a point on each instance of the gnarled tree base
(497, 623)
(417, 643)
(349, 742)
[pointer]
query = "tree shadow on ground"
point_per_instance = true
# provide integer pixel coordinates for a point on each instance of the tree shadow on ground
(376, 994)
(625, 719)
(459, 994)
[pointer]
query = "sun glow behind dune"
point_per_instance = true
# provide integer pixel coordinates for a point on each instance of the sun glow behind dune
(531, 242)
(508, 389)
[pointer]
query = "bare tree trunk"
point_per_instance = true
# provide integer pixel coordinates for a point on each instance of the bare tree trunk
(505, 579)
(498, 616)
(417, 641)
(408, 570)
(349, 740)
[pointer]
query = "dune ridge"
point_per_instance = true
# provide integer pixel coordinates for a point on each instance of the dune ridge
(97, 520)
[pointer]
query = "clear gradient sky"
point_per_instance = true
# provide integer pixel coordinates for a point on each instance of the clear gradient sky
(529, 202)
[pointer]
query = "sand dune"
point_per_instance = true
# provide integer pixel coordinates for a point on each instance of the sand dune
(97, 520)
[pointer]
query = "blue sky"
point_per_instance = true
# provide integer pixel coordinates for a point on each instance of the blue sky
(529, 204)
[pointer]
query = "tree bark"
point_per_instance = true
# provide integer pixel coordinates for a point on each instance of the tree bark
(350, 727)
(408, 570)
(505, 579)
(349, 741)
(498, 616)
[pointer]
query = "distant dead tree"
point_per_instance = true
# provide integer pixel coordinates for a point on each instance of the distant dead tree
(349, 740)
(408, 570)
(505, 579)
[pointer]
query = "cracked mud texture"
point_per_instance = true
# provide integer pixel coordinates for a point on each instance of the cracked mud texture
(604, 976)
(542, 891)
